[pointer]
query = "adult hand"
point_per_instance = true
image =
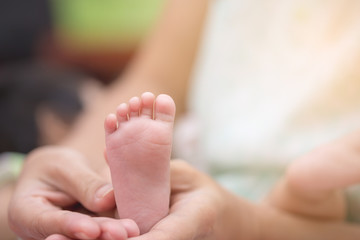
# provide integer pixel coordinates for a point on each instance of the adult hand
(53, 182)
(201, 209)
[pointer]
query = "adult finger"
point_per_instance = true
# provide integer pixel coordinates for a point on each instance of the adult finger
(58, 237)
(120, 229)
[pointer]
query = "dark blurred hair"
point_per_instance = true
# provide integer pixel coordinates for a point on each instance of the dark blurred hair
(22, 25)
(23, 88)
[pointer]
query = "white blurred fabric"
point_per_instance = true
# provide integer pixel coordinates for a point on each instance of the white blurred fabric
(274, 79)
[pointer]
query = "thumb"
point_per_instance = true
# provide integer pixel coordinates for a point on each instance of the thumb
(314, 184)
(331, 167)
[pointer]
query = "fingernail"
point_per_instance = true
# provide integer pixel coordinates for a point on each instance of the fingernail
(107, 236)
(103, 191)
(81, 235)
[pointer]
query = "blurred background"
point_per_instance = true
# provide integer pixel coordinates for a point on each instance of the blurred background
(50, 51)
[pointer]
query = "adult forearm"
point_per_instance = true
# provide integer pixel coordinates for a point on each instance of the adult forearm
(244, 220)
(162, 65)
(239, 219)
(166, 59)
(278, 225)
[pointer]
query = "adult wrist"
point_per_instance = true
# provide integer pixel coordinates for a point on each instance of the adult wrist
(240, 218)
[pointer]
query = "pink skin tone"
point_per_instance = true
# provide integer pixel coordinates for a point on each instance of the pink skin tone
(138, 150)
(110, 229)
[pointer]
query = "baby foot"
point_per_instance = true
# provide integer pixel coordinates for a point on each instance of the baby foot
(138, 149)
